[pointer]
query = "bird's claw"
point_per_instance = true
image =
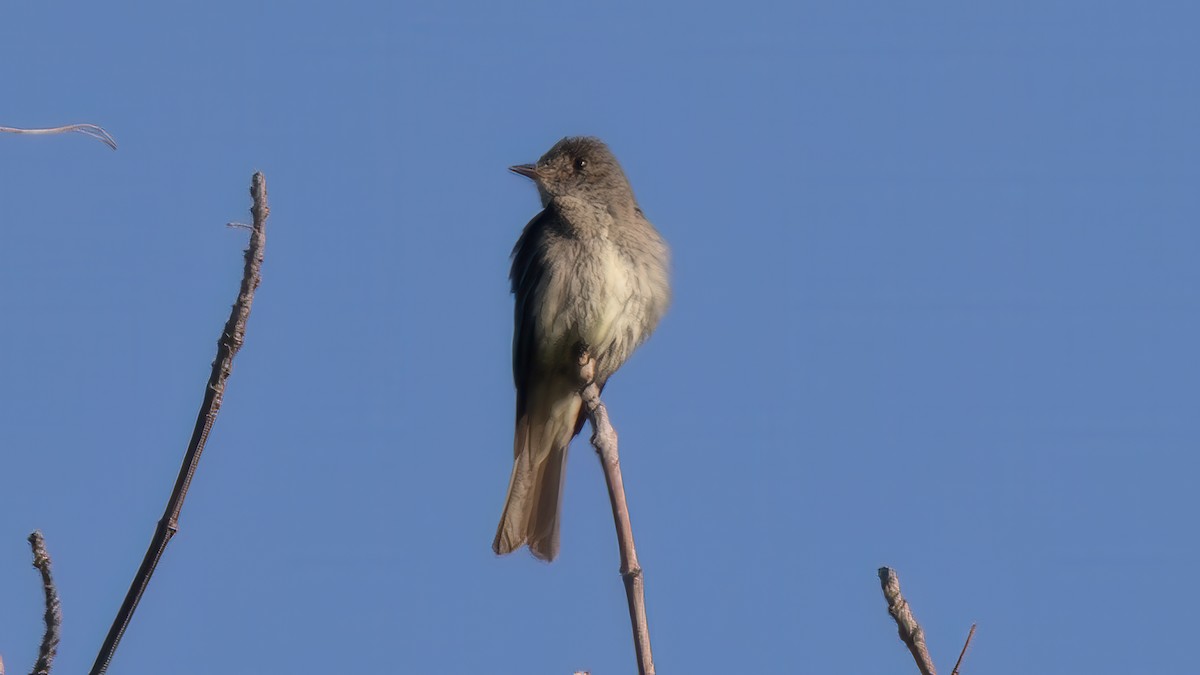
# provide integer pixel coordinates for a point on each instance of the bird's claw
(587, 365)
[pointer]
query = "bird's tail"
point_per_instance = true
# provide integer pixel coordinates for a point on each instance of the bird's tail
(535, 489)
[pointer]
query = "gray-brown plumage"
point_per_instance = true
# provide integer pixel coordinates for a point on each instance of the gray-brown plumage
(588, 271)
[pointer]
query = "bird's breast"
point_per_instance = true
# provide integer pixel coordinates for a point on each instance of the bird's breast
(609, 297)
(592, 298)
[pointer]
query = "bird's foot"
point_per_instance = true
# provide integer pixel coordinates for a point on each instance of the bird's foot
(587, 365)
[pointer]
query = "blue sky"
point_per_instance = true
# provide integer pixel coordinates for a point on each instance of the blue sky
(936, 307)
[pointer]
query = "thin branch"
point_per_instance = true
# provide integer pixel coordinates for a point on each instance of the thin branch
(91, 130)
(910, 631)
(53, 618)
(970, 634)
(227, 347)
(604, 439)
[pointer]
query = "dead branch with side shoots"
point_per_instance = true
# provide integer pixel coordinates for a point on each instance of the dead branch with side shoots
(53, 616)
(91, 130)
(911, 633)
(228, 345)
(604, 440)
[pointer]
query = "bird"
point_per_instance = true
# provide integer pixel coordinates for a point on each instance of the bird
(589, 274)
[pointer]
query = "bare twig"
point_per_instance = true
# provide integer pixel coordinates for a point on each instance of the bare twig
(53, 618)
(227, 347)
(910, 631)
(604, 439)
(92, 130)
(970, 634)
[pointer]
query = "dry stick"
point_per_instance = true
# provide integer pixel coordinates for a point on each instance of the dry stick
(910, 631)
(604, 439)
(92, 130)
(970, 634)
(41, 560)
(228, 346)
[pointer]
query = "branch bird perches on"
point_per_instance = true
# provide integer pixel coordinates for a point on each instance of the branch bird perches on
(604, 440)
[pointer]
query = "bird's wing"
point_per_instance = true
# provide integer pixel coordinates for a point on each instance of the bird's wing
(528, 270)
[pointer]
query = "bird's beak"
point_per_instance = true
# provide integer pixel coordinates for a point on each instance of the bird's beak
(528, 170)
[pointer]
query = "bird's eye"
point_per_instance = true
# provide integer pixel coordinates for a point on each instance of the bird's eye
(579, 164)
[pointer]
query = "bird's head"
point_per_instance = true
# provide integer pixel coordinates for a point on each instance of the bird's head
(582, 167)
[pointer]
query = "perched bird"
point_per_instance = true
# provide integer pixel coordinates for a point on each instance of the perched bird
(588, 272)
